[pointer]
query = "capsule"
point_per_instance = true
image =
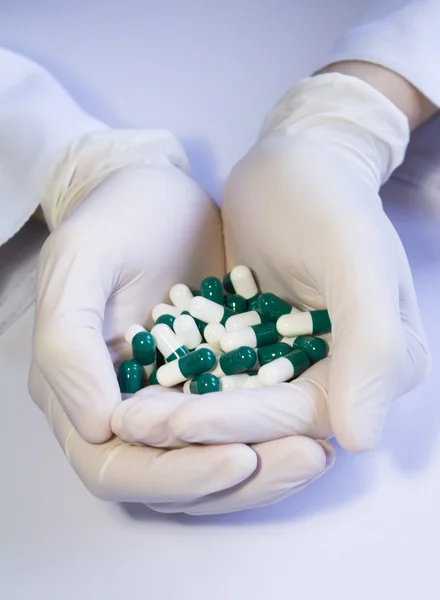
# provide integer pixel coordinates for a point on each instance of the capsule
(267, 354)
(130, 376)
(315, 347)
(213, 333)
(200, 324)
(207, 383)
(272, 307)
(314, 322)
(229, 383)
(166, 320)
(211, 288)
(216, 351)
(285, 368)
(255, 336)
(252, 383)
(243, 320)
(168, 343)
(241, 281)
(237, 361)
(180, 296)
(208, 311)
(195, 363)
(187, 331)
(164, 309)
(236, 303)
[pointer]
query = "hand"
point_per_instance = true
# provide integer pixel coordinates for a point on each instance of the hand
(302, 209)
(103, 269)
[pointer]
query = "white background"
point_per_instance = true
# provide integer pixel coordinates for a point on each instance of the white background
(370, 528)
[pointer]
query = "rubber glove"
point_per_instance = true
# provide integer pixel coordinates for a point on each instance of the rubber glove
(102, 269)
(303, 210)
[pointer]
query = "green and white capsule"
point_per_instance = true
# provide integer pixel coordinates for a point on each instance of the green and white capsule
(168, 343)
(211, 288)
(241, 281)
(252, 383)
(243, 320)
(181, 296)
(285, 368)
(236, 303)
(187, 331)
(200, 324)
(153, 378)
(166, 320)
(238, 361)
(315, 347)
(130, 376)
(213, 333)
(202, 384)
(216, 351)
(195, 363)
(229, 383)
(314, 322)
(267, 354)
(209, 311)
(164, 309)
(255, 336)
(272, 307)
(144, 347)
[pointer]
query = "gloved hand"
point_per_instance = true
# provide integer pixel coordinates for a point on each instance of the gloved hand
(303, 210)
(138, 233)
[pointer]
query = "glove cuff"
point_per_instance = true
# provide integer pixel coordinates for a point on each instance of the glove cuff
(87, 161)
(346, 104)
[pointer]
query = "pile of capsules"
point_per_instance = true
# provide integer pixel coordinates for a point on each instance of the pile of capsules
(225, 336)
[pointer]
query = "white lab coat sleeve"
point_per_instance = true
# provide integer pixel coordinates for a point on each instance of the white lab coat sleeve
(52, 152)
(402, 35)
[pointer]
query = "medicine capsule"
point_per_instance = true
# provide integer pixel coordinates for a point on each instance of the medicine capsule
(166, 320)
(202, 384)
(236, 303)
(315, 347)
(153, 378)
(180, 296)
(229, 383)
(130, 376)
(211, 288)
(213, 333)
(255, 336)
(252, 383)
(243, 320)
(164, 309)
(314, 322)
(200, 324)
(241, 281)
(168, 343)
(195, 363)
(267, 354)
(284, 368)
(208, 311)
(237, 361)
(187, 331)
(143, 346)
(216, 351)
(272, 307)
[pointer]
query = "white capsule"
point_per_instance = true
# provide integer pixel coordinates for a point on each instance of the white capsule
(213, 333)
(277, 371)
(131, 331)
(206, 310)
(235, 339)
(229, 383)
(166, 340)
(215, 351)
(244, 282)
(252, 383)
(296, 324)
(181, 296)
(187, 331)
(170, 375)
(164, 309)
(243, 320)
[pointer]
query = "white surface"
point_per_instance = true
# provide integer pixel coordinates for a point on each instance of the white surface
(370, 527)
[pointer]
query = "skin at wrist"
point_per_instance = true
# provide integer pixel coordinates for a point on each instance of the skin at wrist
(396, 88)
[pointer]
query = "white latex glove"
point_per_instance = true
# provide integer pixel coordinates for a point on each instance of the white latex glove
(104, 268)
(303, 210)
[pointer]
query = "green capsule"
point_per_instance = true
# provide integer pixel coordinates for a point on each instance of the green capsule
(200, 324)
(272, 307)
(204, 384)
(321, 322)
(166, 320)
(299, 361)
(160, 359)
(130, 376)
(315, 348)
(152, 380)
(252, 306)
(236, 303)
(211, 288)
(266, 334)
(227, 284)
(144, 348)
(196, 292)
(238, 361)
(267, 354)
(197, 362)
